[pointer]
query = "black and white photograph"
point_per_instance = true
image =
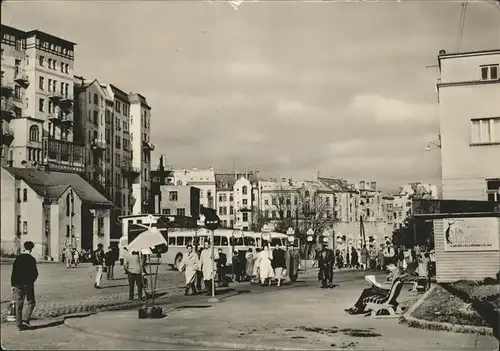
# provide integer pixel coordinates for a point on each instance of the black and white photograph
(250, 175)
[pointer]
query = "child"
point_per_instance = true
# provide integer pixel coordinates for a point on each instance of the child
(422, 273)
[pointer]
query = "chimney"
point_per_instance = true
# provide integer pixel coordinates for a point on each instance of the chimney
(161, 166)
(362, 184)
(442, 52)
(374, 185)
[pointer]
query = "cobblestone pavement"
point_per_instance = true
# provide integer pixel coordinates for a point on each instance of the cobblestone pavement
(61, 291)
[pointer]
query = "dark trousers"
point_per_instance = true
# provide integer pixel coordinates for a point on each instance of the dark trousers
(110, 271)
(137, 280)
(221, 276)
(190, 286)
(24, 292)
(208, 286)
(369, 292)
(198, 279)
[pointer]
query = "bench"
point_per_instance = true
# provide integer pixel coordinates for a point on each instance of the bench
(378, 304)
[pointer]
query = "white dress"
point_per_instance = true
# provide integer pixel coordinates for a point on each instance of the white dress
(207, 263)
(265, 267)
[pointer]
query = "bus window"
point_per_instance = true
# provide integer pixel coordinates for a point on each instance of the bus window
(171, 241)
(249, 241)
(276, 241)
(196, 241)
(216, 240)
(189, 241)
(224, 241)
(236, 241)
(139, 221)
(180, 241)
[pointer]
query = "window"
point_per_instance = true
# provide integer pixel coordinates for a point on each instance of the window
(41, 83)
(231, 199)
(485, 130)
(66, 68)
(245, 202)
(172, 195)
(34, 133)
(266, 202)
(25, 227)
(181, 212)
(50, 63)
(245, 216)
(489, 72)
(96, 99)
(96, 118)
(118, 142)
(165, 211)
(224, 241)
(493, 189)
(18, 224)
(62, 88)
(244, 190)
(231, 210)
(41, 103)
(41, 61)
(288, 213)
(220, 210)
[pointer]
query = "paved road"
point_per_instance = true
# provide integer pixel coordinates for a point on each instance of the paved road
(62, 291)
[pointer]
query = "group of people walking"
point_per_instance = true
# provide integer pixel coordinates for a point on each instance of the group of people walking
(263, 266)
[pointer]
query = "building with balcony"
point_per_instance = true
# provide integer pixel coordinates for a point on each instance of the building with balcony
(469, 117)
(141, 146)
(237, 199)
(37, 83)
(53, 210)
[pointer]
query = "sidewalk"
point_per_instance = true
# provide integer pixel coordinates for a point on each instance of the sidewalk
(300, 318)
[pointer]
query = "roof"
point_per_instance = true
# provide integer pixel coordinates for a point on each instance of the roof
(227, 180)
(335, 184)
(469, 53)
(54, 184)
(138, 98)
(119, 93)
(39, 33)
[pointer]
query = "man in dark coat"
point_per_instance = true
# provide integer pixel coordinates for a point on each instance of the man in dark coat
(292, 262)
(326, 261)
(221, 268)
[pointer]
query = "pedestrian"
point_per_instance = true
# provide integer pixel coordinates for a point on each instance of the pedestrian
(373, 257)
(236, 265)
(326, 262)
(98, 262)
(256, 263)
(190, 264)
(354, 258)
(199, 274)
(23, 278)
(279, 263)
(364, 257)
(266, 272)
(221, 268)
(389, 255)
(208, 267)
(133, 268)
(109, 260)
(347, 256)
(68, 255)
(292, 262)
(76, 258)
(249, 264)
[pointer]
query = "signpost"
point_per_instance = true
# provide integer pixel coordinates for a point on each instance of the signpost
(290, 233)
(309, 239)
(212, 224)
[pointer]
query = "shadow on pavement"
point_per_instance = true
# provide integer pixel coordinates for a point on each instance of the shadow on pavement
(114, 286)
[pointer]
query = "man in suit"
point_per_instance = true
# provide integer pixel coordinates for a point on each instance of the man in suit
(326, 261)
(221, 268)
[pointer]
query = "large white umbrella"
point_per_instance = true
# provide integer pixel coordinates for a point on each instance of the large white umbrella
(143, 243)
(147, 240)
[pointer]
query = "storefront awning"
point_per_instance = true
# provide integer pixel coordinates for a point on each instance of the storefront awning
(439, 209)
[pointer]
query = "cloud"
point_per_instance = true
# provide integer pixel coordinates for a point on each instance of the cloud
(386, 110)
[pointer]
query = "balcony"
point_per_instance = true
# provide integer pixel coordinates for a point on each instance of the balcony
(7, 109)
(62, 155)
(6, 89)
(7, 137)
(67, 118)
(131, 171)
(98, 145)
(55, 97)
(147, 146)
(55, 117)
(21, 78)
(66, 102)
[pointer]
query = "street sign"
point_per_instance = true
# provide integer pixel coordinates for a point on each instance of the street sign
(291, 238)
(212, 223)
(310, 232)
(325, 239)
(310, 238)
(266, 236)
(290, 231)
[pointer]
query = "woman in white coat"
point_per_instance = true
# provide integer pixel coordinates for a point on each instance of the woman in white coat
(208, 266)
(265, 267)
(189, 265)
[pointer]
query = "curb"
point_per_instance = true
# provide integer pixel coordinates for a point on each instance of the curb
(413, 322)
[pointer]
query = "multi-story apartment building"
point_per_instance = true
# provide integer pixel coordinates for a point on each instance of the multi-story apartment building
(91, 128)
(469, 116)
(139, 141)
(237, 199)
(180, 200)
(37, 101)
(162, 175)
(203, 179)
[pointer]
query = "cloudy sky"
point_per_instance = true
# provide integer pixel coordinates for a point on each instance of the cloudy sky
(284, 87)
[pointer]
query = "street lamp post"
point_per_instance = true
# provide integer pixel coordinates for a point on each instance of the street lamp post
(72, 211)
